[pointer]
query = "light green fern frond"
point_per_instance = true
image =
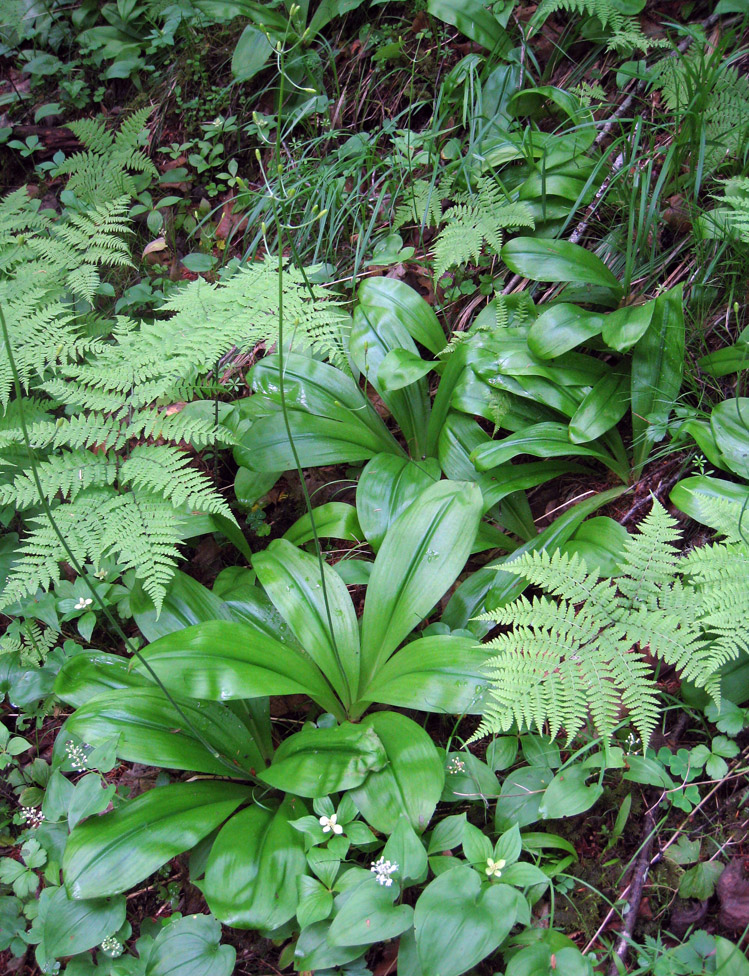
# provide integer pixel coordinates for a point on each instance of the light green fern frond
(422, 204)
(476, 222)
(580, 657)
(604, 10)
(167, 471)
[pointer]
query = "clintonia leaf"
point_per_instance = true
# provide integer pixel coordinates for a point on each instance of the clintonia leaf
(190, 946)
(252, 870)
(422, 554)
(411, 782)
(386, 488)
(109, 854)
(70, 926)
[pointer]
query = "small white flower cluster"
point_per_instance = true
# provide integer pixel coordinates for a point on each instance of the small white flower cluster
(77, 756)
(382, 870)
(330, 823)
(456, 765)
(494, 868)
(83, 602)
(632, 743)
(32, 817)
(112, 946)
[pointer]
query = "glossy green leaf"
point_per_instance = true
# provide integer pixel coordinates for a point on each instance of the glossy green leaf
(252, 870)
(423, 552)
(601, 542)
(386, 488)
(70, 927)
(723, 362)
(521, 796)
(315, 952)
(251, 53)
(151, 731)
(368, 915)
(222, 660)
(91, 673)
(316, 762)
(406, 849)
(729, 422)
(190, 946)
(315, 901)
(568, 794)
(407, 305)
(550, 260)
(292, 580)
(540, 440)
(602, 408)
(410, 784)
(459, 921)
(89, 797)
(375, 334)
(562, 327)
(434, 674)
(475, 21)
(690, 495)
(186, 602)
(333, 520)
(626, 326)
(657, 366)
(109, 854)
(401, 368)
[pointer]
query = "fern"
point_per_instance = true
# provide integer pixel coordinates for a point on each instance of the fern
(730, 218)
(580, 656)
(715, 99)
(625, 30)
(475, 222)
(423, 204)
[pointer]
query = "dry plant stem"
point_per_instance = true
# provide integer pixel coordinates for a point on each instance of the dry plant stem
(636, 887)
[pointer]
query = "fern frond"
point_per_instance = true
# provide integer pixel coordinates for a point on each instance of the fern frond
(165, 470)
(475, 222)
(423, 204)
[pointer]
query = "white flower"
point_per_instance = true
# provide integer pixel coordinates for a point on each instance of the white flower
(101, 574)
(83, 602)
(331, 823)
(32, 817)
(112, 946)
(456, 765)
(382, 870)
(494, 868)
(77, 756)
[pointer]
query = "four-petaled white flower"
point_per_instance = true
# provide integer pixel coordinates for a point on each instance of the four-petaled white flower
(494, 868)
(331, 823)
(382, 870)
(101, 574)
(83, 602)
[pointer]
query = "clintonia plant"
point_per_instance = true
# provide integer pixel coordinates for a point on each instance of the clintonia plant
(273, 829)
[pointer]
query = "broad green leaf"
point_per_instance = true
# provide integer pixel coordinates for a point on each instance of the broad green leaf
(626, 326)
(187, 602)
(70, 927)
(723, 362)
(375, 334)
(540, 440)
(601, 542)
(292, 580)
(657, 367)
(407, 305)
(368, 915)
(693, 495)
(222, 660)
(315, 952)
(386, 488)
(448, 834)
(190, 946)
(467, 777)
(401, 368)
(334, 520)
(472, 19)
(568, 795)
(151, 731)
(316, 762)
(643, 769)
(315, 901)
(699, 882)
(109, 854)
(602, 408)
(549, 260)
(88, 798)
(91, 673)
(521, 796)
(729, 422)
(423, 552)
(434, 674)
(560, 328)
(477, 847)
(328, 10)
(410, 784)
(729, 958)
(542, 959)
(252, 870)
(459, 921)
(251, 53)
(406, 849)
